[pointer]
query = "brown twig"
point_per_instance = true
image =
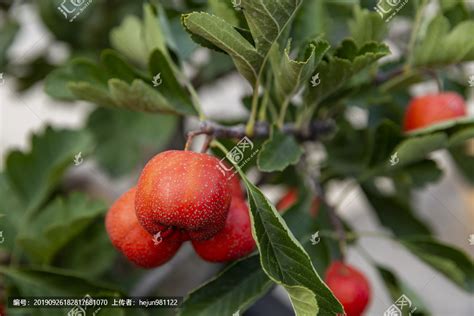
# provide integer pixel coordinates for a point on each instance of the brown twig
(316, 130)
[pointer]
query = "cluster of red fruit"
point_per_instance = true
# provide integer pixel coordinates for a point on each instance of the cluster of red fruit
(180, 196)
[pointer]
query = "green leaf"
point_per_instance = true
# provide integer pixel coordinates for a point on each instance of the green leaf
(7, 35)
(278, 152)
(311, 20)
(442, 45)
(57, 224)
(463, 160)
(416, 149)
(78, 70)
(366, 26)
(127, 39)
(447, 126)
(91, 258)
(285, 261)
(170, 88)
(211, 31)
(292, 74)
(397, 288)
(224, 10)
(34, 175)
(41, 282)
(140, 133)
(268, 20)
(347, 61)
(234, 289)
(395, 213)
(12, 210)
(451, 262)
(137, 39)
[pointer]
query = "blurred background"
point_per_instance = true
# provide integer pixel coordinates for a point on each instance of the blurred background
(38, 45)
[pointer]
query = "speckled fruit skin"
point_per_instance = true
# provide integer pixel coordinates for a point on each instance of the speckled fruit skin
(236, 190)
(128, 236)
(291, 197)
(183, 191)
(349, 286)
(429, 109)
(234, 241)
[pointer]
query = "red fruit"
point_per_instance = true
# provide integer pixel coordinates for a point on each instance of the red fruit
(183, 191)
(236, 188)
(232, 242)
(429, 109)
(291, 197)
(349, 286)
(128, 236)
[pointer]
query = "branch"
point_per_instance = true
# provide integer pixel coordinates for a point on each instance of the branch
(316, 130)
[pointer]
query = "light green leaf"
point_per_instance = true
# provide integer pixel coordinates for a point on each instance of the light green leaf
(442, 45)
(285, 261)
(34, 175)
(140, 133)
(58, 223)
(126, 38)
(347, 61)
(366, 26)
(292, 74)
(444, 126)
(12, 210)
(234, 289)
(152, 31)
(461, 136)
(224, 9)
(212, 31)
(451, 262)
(138, 96)
(278, 152)
(87, 91)
(415, 149)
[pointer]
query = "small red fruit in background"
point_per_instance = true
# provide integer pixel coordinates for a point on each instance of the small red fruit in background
(430, 109)
(128, 236)
(349, 286)
(291, 197)
(185, 191)
(232, 242)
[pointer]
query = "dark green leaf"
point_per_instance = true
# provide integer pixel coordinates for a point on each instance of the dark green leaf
(234, 289)
(58, 223)
(464, 160)
(140, 133)
(278, 152)
(284, 260)
(395, 213)
(34, 175)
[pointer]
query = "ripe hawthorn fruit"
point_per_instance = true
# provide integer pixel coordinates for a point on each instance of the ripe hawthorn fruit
(183, 191)
(128, 236)
(434, 108)
(234, 241)
(290, 198)
(349, 286)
